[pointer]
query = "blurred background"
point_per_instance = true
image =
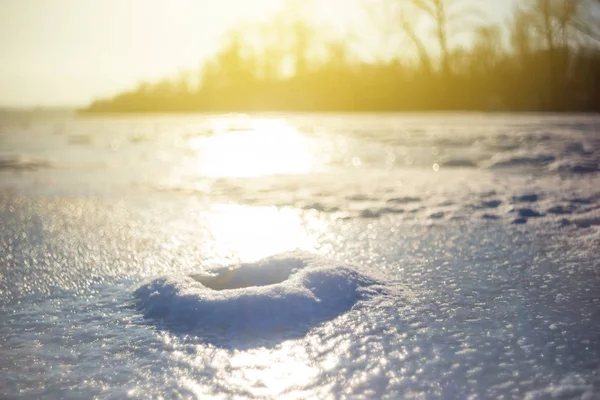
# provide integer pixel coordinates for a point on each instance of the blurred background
(356, 55)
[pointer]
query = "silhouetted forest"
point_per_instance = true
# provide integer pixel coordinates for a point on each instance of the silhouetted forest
(411, 55)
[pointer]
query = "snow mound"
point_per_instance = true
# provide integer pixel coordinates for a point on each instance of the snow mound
(286, 293)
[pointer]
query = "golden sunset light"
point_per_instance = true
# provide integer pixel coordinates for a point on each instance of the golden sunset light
(69, 52)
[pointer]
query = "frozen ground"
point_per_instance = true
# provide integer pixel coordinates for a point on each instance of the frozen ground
(300, 256)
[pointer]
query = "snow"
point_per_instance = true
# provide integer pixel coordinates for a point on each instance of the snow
(132, 269)
(286, 293)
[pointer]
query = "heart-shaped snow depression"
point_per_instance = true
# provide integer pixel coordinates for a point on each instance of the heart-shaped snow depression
(288, 292)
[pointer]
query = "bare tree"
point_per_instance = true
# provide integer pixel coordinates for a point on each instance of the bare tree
(557, 27)
(520, 34)
(587, 21)
(562, 23)
(424, 56)
(487, 45)
(394, 26)
(449, 17)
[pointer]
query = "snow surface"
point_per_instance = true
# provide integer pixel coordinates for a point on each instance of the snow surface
(394, 256)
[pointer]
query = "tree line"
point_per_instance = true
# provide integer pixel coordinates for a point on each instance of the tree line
(410, 55)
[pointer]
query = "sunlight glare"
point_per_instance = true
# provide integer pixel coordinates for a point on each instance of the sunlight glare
(262, 372)
(273, 373)
(248, 234)
(262, 147)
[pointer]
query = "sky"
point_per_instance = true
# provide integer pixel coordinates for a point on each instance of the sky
(66, 53)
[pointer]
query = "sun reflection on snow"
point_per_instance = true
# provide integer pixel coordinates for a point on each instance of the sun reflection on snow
(248, 234)
(253, 148)
(273, 373)
(256, 147)
(261, 373)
